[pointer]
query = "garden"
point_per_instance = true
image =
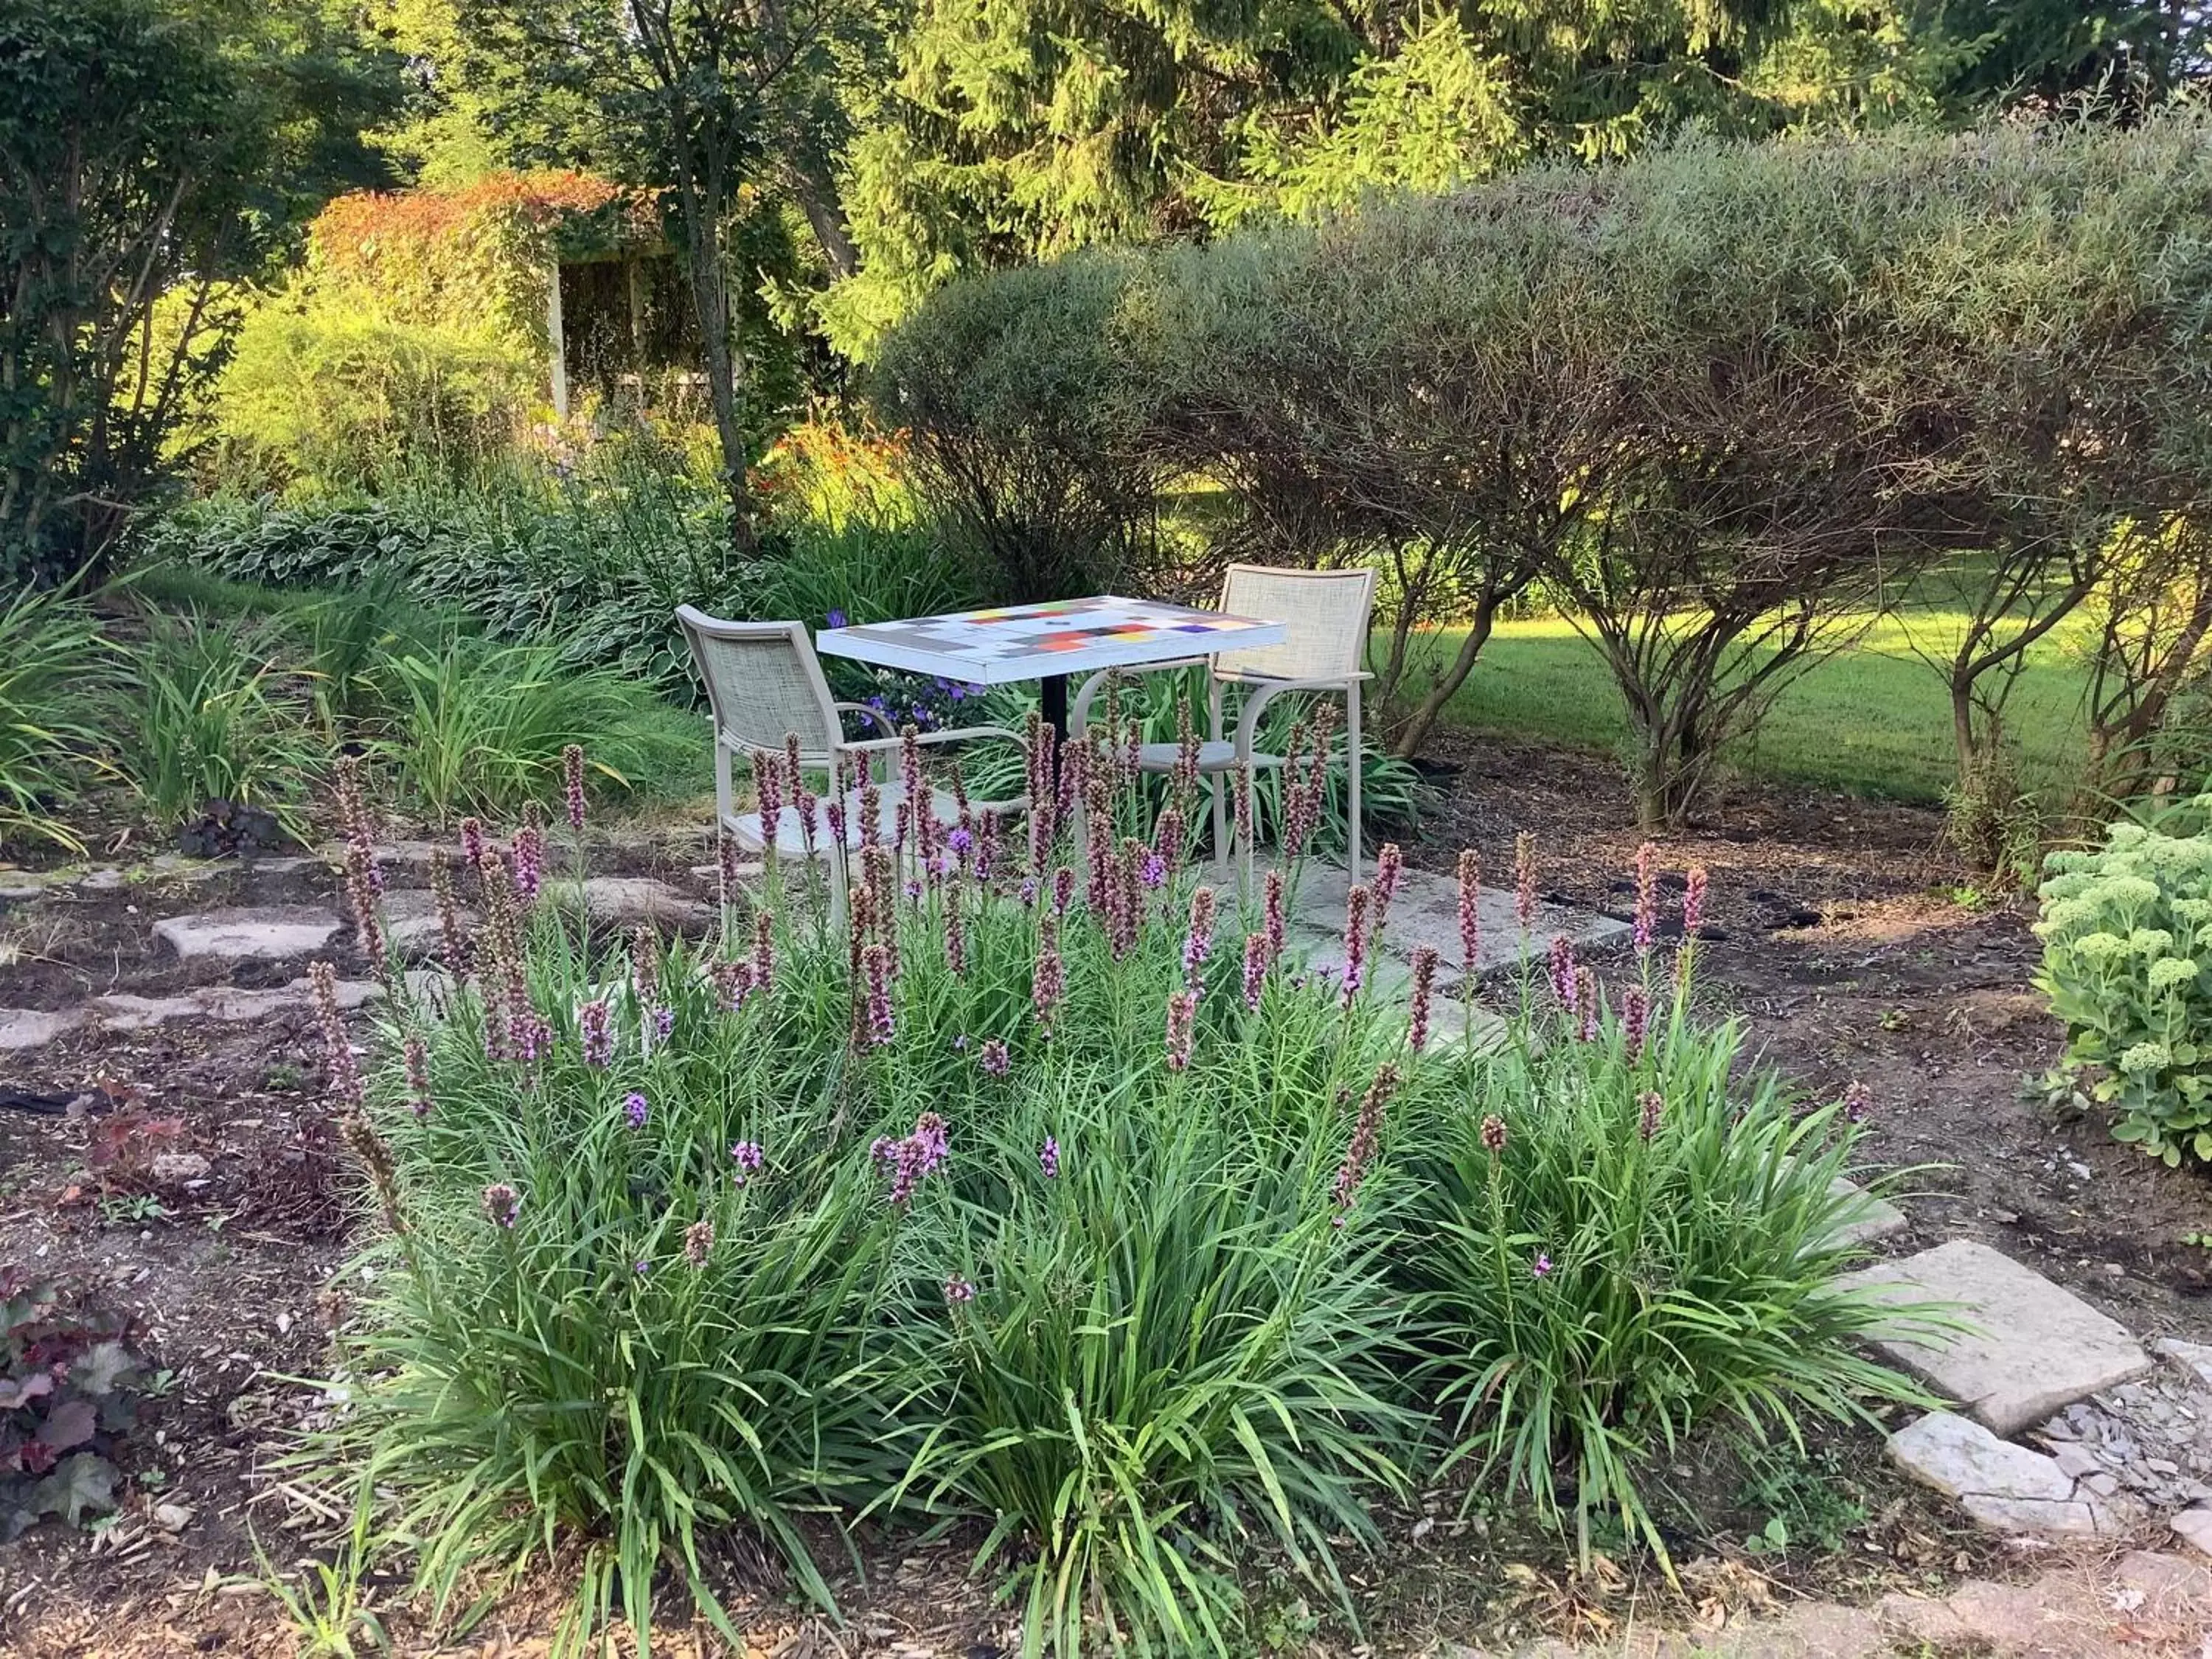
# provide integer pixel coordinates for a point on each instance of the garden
(462, 1189)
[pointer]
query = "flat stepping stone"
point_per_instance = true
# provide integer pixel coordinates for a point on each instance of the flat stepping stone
(230, 1003)
(2031, 1348)
(2003, 1487)
(34, 1028)
(411, 925)
(632, 899)
(262, 932)
(1868, 1219)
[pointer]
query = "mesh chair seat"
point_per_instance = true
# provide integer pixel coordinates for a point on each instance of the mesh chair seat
(791, 838)
(1215, 755)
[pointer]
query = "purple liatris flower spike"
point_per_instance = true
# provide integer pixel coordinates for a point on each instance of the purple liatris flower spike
(1561, 972)
(1356, 905)
(1154, 871)
(417, 1065)
(769, 780)
(1694, 902)
(1635, 1019)
(595, 1031)
(345, 1073)
(634, 1109)
(1425, 978)
(472, 843)
(1647, 896)
(995, 1057)
(1182, 1011)
(1049, 979)
(1524, 879)
(958, 1291)
(1366, 1132)
(1493, 1135)
(1389, 871)
(572, 784)
(1542, 1266)
(877, 963)
(527, 852)
(1028, 892)
(1256, 968)
(1651, 1107)
(1470, 911)
(501, 1204)
(664, 1024)
(1048, 1157)
(698, 1242)
(1063, 890)
(1859, 1102)
(1198, 943)
(1272, 911)
(960, 841)
(763, 951)
(747, 1157)
(1167, 844)
(1586, 1009)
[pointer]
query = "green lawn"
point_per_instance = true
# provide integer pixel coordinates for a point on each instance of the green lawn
(1874, 720)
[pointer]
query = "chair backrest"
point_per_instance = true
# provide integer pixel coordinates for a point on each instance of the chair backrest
(763, 682)
(1327, 610)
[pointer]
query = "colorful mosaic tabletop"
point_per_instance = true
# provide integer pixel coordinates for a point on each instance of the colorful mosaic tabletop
(1028, 641)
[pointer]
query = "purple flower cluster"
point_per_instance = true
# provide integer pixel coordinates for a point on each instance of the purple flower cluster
(1356, 906)
(572, 785)
(914, 1156)
(634, 1109)
(995, 1057)
(698, 1242)
(346, 1072)
(1198, 943)
(416, 1057)
(1524, 880)
(1048, 980)
(1560, 973)
(1635, 1019)
(876, 960)
(958, 1291)
(746, 1155)
(1647, 898)
(1424, 979)
(1256, 968)
(1366, 1132)
(1048, 1157)
(595, 1030)
(1859, 1102)
(472, 844)
(528, 853)
(501, 1205)
(1652, 1108)
(1470, 912)
(1182, 1012)
(1586, 1008)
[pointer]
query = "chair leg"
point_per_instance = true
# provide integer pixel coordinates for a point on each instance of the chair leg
(837, 884)
(725, 801)
(1353, 752)
(1219, 780)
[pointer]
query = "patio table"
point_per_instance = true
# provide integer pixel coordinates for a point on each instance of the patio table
(1049, 642)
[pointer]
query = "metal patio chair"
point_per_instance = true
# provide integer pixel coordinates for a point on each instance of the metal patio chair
(763, 681)
(1328, 613)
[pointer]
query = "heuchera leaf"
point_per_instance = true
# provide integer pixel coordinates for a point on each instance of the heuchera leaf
(103, 1369)
(84, 1481)
(16, 1394)
(70, 1424)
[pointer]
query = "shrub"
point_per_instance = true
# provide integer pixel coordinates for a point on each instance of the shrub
(216, 718)
(2127, 963)
(1040, 1189)
(339, 400)
(55, 683)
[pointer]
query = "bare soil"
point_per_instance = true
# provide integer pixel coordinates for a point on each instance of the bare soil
(1852, 945)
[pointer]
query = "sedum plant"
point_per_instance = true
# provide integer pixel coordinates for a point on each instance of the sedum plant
(1036, 1184)
(2127, 963)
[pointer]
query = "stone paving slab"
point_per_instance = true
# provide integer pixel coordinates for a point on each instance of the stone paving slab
(627, 900)
(1869, 1219)
(267, 932)
(1426, 912)
(234, 1005)
(2033, 1347)
(34, 1028)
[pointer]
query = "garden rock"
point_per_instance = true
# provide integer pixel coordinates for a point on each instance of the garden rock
(2151, 1436)
(627, 900)
(2195, 1358)
(271, 931)
(2032, 1348)
(1868, 1219)
(2194, 1527)
(2003, 1487)
(410, 922)
(33, 1028)
(122, 1012)
(176, 1168)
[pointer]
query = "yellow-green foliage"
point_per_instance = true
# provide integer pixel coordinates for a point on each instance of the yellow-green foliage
(2127, 962)
(416, 330)
(339, 398)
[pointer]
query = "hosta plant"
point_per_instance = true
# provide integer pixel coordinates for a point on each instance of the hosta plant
(2127, 963)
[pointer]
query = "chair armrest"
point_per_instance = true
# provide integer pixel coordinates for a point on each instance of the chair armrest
(875, 714)
(1078, 711)
(1330, 683)
(1266, 691)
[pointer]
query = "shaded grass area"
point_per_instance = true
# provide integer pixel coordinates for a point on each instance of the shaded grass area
(1874, 720)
